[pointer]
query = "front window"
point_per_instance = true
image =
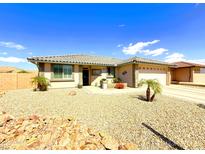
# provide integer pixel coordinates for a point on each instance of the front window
(96, 72)
(62, 71)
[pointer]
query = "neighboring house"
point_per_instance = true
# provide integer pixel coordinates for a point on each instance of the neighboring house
(71, 70)
(188, 72)
(9, 69)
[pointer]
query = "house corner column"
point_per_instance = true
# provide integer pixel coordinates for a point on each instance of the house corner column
(80, 75)
(192, 75)
(116, 72)
(168, 77)
(136, 71)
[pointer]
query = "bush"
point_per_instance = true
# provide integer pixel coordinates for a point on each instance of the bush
(80, 86)
(119, 86)
(41, 83)
(23, 71)
(117, 80)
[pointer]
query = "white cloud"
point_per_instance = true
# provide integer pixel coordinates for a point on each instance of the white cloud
(3, 53)
(12, 45)
(12, 59)
(30, 53)
(198, 61)
(121, 25)
(175, 57)
(119, 45)
(132, 49)
(155, 52)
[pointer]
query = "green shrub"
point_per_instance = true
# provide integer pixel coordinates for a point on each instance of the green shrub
(23, 71)
(80, 86)
(41, 83)
(117, 80)
(152, 84)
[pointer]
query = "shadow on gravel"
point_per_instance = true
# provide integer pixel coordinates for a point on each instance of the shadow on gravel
(201, 106)
(140, 97)
(165, 139)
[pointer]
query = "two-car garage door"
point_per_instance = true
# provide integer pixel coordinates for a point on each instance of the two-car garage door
(161, 77)
(148, 71)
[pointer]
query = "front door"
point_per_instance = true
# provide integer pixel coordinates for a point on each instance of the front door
(85, 77)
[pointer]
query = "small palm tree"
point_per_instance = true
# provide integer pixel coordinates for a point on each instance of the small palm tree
(41, 83)
(151, 84)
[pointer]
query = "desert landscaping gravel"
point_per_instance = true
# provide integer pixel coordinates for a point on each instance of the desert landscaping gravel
(120, 115)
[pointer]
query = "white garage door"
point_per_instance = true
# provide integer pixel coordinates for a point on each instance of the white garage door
(161, 77)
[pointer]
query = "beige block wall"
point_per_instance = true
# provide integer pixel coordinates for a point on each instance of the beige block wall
(24, 80)
(8, 81)
(12, 81)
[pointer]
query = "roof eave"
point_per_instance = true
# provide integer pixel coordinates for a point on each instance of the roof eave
(140, 62)
(77, 63)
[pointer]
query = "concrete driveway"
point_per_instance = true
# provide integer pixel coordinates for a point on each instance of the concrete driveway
(193, 94)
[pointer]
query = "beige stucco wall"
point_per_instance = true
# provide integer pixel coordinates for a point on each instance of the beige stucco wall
(126, 77)
(60, 84)
(152, 71)
(191, 74)
(144, 71)
(47, 70)
(125, 72)
(95, 80)
(199, 75)
(183, 74)
(77, 76)
(199, 78)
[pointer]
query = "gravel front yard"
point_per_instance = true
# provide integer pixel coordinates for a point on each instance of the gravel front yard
(119, 115)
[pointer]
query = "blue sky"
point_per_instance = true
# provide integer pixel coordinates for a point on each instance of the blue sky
(167, 32)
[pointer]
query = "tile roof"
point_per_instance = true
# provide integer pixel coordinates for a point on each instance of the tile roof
(9, 69)
(92, 60)
(144, 60)
(181, 64)
(78, 59)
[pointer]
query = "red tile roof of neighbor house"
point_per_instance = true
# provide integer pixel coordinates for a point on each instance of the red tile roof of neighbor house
(187, 64)
(8, 69)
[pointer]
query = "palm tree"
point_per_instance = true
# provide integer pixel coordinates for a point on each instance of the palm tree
(41, 83)
(152, 84)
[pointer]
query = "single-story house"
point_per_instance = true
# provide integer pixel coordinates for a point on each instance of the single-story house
(72, 70)
(188, 72)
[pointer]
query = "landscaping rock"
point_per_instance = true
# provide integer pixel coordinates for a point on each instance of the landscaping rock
(35, 132)
(72, 93)
(2, 93)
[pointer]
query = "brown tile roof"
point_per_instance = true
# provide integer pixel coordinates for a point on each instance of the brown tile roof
(144, 60)
(92, 60)
(9, 69)
(187, 64)
(78, 59)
